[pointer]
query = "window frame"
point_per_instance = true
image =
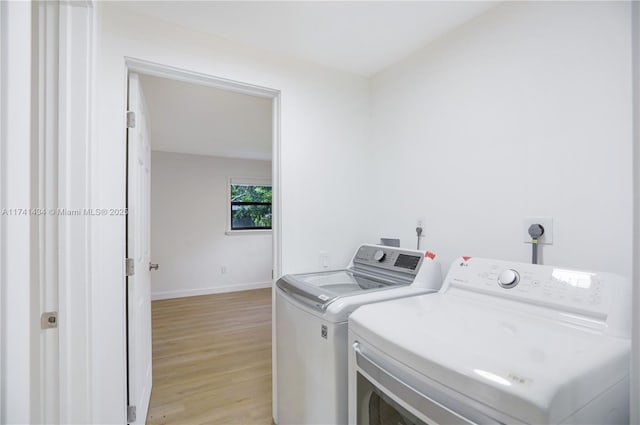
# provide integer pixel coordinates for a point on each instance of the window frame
(249, 181)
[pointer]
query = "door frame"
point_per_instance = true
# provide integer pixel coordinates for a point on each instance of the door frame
(635, 337)
(19, 285)
(145, 67)
(166, 71)
(46, 76)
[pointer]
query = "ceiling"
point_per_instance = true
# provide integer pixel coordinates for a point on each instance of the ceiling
(360, 37)
(202, 120)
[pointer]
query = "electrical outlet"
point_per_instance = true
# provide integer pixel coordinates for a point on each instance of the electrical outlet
(546, 222)
(323, 257)
(224, 270)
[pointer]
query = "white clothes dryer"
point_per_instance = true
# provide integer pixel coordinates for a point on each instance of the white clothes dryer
(311, 326)
(501, 343)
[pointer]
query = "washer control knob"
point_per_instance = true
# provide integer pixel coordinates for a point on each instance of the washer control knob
(508, 278)
(379, 255)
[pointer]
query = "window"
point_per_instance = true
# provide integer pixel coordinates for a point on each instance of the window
(250, 205)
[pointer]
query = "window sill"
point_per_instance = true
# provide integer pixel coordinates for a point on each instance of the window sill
(248, 232)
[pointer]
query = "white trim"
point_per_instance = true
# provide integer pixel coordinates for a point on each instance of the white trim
(250, 181)
(276, 210)
(20, 351)
(251, 232)
(165, 71)
(48, 77)
(60, 130)
(218, 289)
(3, 191)
(635, 359)
(74, 174)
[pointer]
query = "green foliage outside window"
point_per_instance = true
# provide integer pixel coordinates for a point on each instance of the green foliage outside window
(250, 207)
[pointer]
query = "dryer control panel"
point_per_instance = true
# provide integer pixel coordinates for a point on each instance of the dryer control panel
(602, 296)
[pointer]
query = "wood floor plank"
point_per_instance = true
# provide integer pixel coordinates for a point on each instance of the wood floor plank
(212, 359)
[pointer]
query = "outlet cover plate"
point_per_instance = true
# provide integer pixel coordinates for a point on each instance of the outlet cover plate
(546, 222)
(323, 259)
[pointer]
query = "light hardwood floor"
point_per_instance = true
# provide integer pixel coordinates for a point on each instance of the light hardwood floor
(212, 359)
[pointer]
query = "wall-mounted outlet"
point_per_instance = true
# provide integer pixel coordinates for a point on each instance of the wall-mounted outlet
(546, 222)
(224, 270)
(323, 258)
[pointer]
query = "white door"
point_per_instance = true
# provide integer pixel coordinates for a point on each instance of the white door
(138, 250)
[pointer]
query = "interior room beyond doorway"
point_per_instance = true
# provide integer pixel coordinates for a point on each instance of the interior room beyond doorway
(212, 288)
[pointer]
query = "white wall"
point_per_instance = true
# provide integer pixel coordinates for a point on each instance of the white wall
(189, 198)
(465, 128)
(524, 111)
(324, 114)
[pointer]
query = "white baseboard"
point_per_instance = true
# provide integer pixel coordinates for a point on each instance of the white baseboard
(208, 291)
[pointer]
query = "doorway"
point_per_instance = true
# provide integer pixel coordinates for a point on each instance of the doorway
(198, 259)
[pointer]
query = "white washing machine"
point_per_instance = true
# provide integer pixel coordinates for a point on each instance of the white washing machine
(311, 326)
(501, 343)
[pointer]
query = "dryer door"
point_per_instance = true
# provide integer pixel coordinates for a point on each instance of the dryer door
(375, 407)
(386, 394)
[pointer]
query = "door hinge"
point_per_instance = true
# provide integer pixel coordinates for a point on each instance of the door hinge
(130, 267)
(131, 119)
(131, 414)
(49, 320)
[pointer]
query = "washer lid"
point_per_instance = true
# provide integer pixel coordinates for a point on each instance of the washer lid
(318, 290)
(529, 367)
